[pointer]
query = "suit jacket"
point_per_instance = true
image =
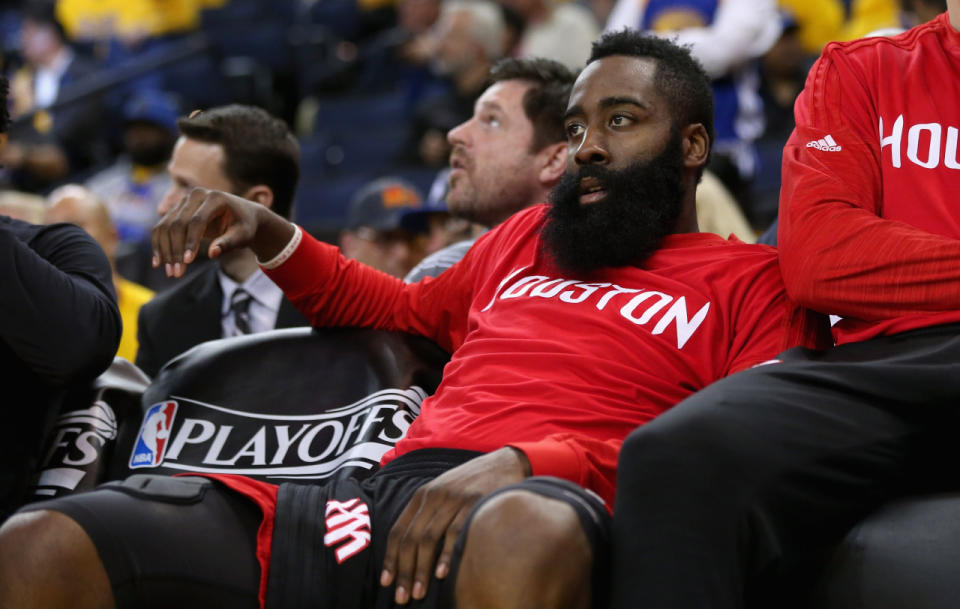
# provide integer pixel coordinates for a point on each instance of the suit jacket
(76, 127)
(188, 315)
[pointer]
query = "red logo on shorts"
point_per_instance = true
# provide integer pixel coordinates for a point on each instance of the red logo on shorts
(349, 522)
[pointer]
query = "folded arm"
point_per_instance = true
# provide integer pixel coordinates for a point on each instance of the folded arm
(60, 315)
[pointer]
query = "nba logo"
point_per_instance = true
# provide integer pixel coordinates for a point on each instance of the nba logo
(151, 444)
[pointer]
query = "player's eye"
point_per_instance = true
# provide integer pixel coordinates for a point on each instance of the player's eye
(574, 129)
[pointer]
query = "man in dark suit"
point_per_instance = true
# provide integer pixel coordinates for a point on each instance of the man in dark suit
(245, 151)
(52, 137)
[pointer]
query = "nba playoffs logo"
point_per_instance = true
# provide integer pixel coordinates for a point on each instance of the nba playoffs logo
(152, 441)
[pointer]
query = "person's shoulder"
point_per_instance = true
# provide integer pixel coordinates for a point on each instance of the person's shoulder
(109, 177)
(17, 227)
(530, 216)
(711, 244)
(574, 13)
(439, 261)
(81, 65)
(737, 251)
(180, 291)
(712, 255)
(520, 226)
(59, 235)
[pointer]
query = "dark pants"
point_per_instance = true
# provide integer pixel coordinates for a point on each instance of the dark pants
(759, 474)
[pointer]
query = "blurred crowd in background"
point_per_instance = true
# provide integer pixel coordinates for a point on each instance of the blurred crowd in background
(371, 88)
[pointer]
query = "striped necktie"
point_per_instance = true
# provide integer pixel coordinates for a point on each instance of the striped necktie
(240, 306)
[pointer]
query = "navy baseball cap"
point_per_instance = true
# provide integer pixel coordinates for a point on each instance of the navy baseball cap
(153, 106)
(381, 203)
(415, 220)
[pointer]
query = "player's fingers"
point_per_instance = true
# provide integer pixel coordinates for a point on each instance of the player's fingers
(196, 215)
(406, 556)
(428, 540)
(177, 228)
(394, 539)
(155, 244)
(158, 237)
(415, 545)
(163, 244)
(426, 552)
(236, 236)
(445, 558)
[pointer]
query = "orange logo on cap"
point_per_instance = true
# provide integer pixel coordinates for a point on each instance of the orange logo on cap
(399, 196)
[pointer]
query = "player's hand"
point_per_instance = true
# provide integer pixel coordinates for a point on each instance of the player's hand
(229, 221)
(438, 511)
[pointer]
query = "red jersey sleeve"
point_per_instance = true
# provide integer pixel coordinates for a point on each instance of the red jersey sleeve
(837, 254)
(332, 291)
(580, 459)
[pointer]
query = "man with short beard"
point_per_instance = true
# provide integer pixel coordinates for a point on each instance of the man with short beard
(509, 154)
(556, 357)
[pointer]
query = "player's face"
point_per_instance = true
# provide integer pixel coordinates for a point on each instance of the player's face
(615, 118)
(493, 171)
(623, 190)
(194, 163)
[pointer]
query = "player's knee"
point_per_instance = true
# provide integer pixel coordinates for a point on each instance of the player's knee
(694, 444)
(47, 560)
(524, 550)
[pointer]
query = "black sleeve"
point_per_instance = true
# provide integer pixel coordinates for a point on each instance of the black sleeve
(58, 310)
(146, 351)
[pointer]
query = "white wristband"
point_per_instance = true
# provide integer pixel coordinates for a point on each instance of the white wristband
(285, 253)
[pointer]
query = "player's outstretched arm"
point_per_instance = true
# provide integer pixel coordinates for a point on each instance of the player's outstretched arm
(230, 222)
(438, 510)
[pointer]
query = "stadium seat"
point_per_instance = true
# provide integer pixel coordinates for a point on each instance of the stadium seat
(280, 405)
(904, 556)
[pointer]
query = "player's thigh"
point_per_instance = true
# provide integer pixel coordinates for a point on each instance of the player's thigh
(171, 542)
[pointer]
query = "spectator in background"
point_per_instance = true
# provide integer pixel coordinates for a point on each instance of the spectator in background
(823, 21)
(59, 326)
(783, 71)
(129, 23)
(509, 154)
(22, 206)
(416, 16)
(562, 31)
(440, 227)
(133, 186)
(727, 38)
(465, 42)
(374, 235)
(916, 12)
(242, 150)
(50, 142)
(719, 213)
(75, 204)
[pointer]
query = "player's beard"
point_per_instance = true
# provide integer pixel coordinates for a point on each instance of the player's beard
(642, 204)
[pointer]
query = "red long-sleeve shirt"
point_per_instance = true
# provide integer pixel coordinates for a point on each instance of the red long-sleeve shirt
(562, 368)
(869, 215)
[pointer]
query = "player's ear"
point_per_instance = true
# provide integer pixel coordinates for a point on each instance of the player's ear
(696, 145)
(261, 193)
(553, 162)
